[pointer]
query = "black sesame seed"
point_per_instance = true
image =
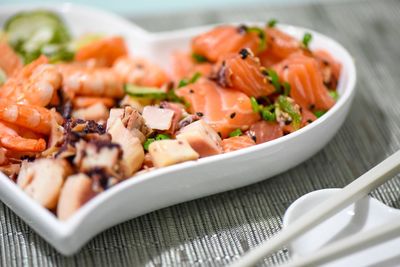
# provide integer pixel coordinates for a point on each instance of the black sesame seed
(191, 91)
(200, 114)
(244, 53)
(233, 115)
(309, 121)
(311, 106)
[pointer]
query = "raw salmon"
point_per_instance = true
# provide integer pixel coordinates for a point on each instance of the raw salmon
(307, 117)
(242, 71)
(224, 40)
(184, 66)
(236, 143)
(264, 131)
(140, 71)
(330, 68)
(306, 82)
(224, 109)
(104, 51)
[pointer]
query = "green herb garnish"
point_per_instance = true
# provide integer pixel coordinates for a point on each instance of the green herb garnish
(254, 104)
(199, 58)
(184, 82)
(307, 39)
(261, 34)
(319, 113)
(274, 78)
(286, 88)
(163, 136)
(236, 132)
(334, 94)
(287, 106)
(268, 113)
(271, 23)
(147, 143)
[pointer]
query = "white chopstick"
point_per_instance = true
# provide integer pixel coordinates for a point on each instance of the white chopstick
(348, 245)
(349, 194)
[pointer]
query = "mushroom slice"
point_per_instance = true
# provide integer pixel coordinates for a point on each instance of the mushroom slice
(158, 118)
(77, 190)
(133, 153)
(43, 179)
(169, 152)
(202, 138)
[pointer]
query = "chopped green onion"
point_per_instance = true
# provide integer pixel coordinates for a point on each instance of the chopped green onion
(288, 107)
(199, 58)
(163, 136)
(147, 143)
(184, 82)
(307, 39)
(274, 78)
(254, 104)
(271, 23)
(319, 113)
(267, 113)
(261, 34)
(236, 132)
(286, 87)
(334, 94)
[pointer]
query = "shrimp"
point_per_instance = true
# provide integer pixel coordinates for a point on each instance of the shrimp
(10, 139)
(35, 118)
(104, 51)
(36, 84)
(99, 82)
(141, 72)
(9, 61)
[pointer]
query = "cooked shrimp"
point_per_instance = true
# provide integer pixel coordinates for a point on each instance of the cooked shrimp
(140, 71)
(9, 60)
(104, 51)
(100, 82)
(87, 101)
(10, 139)
(35, 85)
(37, 119)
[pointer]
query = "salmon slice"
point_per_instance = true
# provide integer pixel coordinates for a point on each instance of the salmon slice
(224, 40)
(306, 82)
(307, 117)
(104, 51)
(330, 68)
(140, 71)
(242, 71)
(184, 66)
(264, 131)
(280, 45)
(223, 109)
(9, 61)
(236, 143)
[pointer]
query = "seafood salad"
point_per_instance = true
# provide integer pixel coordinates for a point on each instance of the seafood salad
(79, 115)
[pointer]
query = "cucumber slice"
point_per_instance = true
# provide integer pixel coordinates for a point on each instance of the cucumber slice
(24, 25)
(145, 92)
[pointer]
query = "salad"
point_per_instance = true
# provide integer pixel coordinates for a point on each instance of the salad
(79, 114)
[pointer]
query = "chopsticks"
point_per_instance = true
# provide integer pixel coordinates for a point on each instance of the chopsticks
(349, 194)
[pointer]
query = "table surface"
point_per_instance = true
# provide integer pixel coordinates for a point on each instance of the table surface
(216, 230)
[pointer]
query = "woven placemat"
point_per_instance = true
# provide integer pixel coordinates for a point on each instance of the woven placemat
(216, 230)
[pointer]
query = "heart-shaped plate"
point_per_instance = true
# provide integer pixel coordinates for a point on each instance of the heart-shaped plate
(171, 185)
(362, 216)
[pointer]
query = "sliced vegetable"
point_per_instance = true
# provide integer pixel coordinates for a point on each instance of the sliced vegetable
(287, 105)
(334, 94)
(271, 23)
(193, 79)
(236, 132)
(261, 34)
(307, 39)
(268, 113)
(274, 78)
(145, 92)
(254, 104)
(147, 143)
(286, 88)
(319, 113)
(199, 58)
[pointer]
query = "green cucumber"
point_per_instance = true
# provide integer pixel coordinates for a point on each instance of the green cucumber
(145, 92)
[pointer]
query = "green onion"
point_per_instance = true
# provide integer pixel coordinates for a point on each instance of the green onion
(261, 34)
(236, 132)
(267, 113)
(319, 113)
(274, 78)
(271, 23)
(199, 58)
(307, 39)
(334, 94)
(163, 136)
(185, 82)
(254, 104)
(286, 87)
(147, 143)
(288, 107)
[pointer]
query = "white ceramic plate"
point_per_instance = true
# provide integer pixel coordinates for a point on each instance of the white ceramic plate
(359, 217)
(182, 182)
